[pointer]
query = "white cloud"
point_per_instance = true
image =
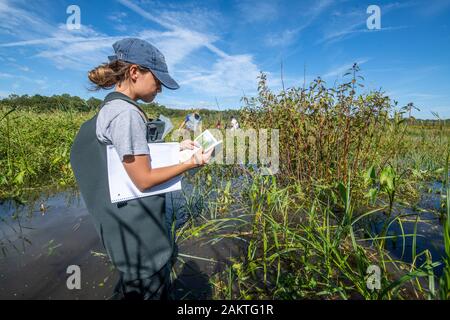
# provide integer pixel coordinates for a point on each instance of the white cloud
(21, 23)
(198, 19)
(186, 103)
(351, 31)
(6, 75)
(73, 49)
(177, 44)
(23, 68)
(345, 24)
(253, 11)
(229, 76)
(307, 17)
(118, 17)
(342, 69)
(77, 49)
(282, 39)
(118, 20)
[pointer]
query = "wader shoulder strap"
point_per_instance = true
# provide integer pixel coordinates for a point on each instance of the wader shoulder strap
(155, 129)
(118, 95)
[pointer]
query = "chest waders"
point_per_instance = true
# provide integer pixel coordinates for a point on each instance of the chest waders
(134, 233)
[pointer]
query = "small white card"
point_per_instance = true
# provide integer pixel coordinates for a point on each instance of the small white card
(206, 140)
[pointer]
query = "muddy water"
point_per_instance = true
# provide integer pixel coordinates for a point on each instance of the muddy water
(38, 246)
(38, 243)
(40, 240)
(426, 220)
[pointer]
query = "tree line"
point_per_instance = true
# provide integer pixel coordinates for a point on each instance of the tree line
(66, 102)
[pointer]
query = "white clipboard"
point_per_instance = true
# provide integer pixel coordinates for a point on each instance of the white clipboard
(121, 188)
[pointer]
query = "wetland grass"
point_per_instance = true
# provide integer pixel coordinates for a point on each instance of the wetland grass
(345, 157)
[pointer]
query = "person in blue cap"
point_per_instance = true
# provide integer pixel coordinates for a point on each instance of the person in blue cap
(191, 122)
(134, 233)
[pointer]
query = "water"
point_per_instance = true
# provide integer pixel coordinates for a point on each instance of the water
(429, 230)
(37, 246)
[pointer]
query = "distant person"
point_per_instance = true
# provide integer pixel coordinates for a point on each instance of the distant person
(191, 122)
(234, 123)
(218, 125)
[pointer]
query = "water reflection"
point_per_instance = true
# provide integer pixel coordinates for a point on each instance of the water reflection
(426, 220)
(41, 239)
(38, 245)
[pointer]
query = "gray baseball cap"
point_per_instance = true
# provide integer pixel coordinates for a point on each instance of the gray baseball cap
(142, 53)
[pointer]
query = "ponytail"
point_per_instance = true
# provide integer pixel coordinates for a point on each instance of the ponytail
(107, 75)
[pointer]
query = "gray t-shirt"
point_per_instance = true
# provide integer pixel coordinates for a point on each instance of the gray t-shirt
(123, 125)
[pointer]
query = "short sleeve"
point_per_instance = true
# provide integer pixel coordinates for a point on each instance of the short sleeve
(128, 134)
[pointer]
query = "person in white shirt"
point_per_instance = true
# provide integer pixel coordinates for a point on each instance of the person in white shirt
(234, 123)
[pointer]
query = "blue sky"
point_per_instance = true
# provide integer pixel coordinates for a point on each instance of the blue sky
(216, 49)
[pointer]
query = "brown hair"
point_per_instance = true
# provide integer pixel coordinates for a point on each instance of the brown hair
(107, 75)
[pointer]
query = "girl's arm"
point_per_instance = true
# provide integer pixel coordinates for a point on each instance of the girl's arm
(144, 177)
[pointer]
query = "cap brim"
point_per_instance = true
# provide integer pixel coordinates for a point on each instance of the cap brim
(166, 80)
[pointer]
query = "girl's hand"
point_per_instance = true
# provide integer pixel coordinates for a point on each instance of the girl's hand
(188, 145)
(199, 158)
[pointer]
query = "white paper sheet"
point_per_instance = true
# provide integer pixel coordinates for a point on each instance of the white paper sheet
(121, 188)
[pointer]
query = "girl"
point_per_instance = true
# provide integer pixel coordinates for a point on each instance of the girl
(133, 233)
